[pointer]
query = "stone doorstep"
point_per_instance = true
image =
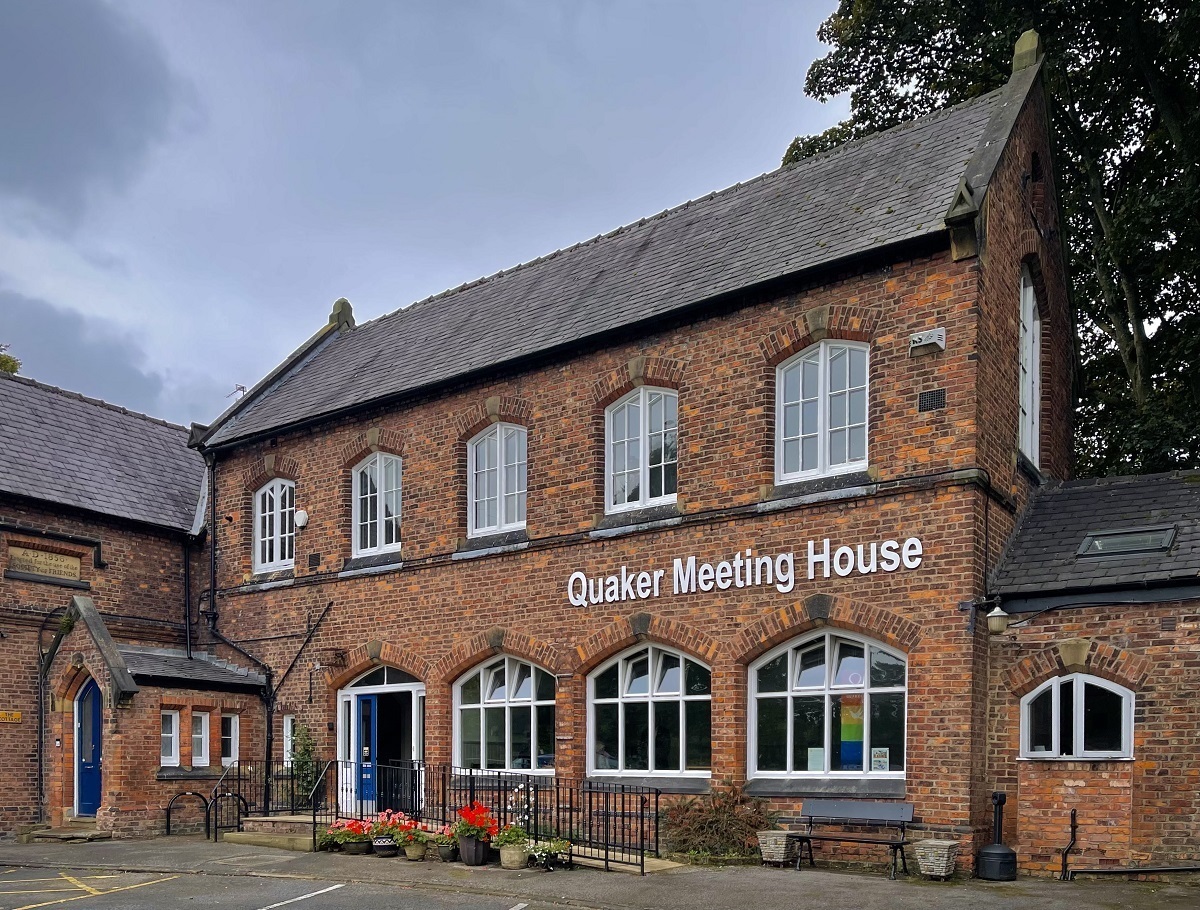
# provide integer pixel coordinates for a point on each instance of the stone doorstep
(76, 834)
(295, 842)
(593, 858)
(288, 825)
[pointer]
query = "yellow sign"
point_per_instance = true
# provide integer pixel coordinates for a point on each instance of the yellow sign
(10, 717)
(39, 562)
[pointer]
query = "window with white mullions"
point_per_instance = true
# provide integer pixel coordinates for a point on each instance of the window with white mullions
(199, 739)
(828, 705)
(505, 717)
(377, 484)
(168, 750)
(496, 479)
(650, 712)
(1031, 371)
(642, 431)
(275, 526)
(1077, 716)
(821, 411)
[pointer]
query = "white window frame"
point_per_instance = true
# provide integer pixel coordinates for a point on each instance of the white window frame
(498, 430)
(200, 758)
(380, 460)
(828, 690)
(289, 738)
(282, 534)
(1080, 680)
(656, 652)
(642, 396)
(1030, 368)
(235, 727)
(171, 760)
(532, 703)
(823, 351)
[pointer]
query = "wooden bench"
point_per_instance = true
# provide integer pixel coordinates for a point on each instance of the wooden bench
(819, 816)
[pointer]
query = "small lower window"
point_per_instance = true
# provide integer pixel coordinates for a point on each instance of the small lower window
(168, 751)
(289, 738)
(1077, 716)
(199, 739)
(229, 739)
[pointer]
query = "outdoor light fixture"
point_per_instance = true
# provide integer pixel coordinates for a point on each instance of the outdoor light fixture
(997, 621)
(301, 518)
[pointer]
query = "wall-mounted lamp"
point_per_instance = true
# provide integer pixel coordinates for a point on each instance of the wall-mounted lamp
(301, 518)
(997, 621)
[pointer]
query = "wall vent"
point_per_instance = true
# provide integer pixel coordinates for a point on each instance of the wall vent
(931, 401)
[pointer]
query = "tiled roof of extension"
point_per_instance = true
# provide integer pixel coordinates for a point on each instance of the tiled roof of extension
(164, 666)
(63, 448)
(887, 189)
(1042, 558)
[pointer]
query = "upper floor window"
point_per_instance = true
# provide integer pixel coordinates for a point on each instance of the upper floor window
(505, 717)
(496, 476)
(275, 526)
(1031, 371)
(821, 411)
(828, 705)
(642, 437)
(377, 505)
(1077, 716)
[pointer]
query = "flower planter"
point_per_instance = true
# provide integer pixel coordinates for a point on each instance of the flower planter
(474, 852)
(415, 852)
(357, 847)
(777, 847)
(514, 856)
(936, 858)
(385, 846)
(447, 853)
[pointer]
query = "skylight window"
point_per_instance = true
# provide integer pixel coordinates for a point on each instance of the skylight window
(1130, 541)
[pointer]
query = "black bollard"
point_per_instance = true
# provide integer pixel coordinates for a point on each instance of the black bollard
(997, 863)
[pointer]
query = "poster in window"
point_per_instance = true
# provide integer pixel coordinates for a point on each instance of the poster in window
(881, 759)
(816, 758)
(852, 732)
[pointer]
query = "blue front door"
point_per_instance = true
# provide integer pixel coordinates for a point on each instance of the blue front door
(87, 736)
(368, 743)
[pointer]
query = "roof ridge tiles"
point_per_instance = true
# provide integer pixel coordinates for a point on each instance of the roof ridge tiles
(87, 399)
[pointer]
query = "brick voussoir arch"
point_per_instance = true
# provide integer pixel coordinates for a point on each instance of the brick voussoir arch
(479, 648)
(496, 409)
(1100, 659)
(846, 322)
(373, 654)
(630, 630)
(376, 439)
(641, 370)
(270, 467)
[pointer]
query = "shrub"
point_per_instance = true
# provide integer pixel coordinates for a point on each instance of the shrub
(511, 835)
(723, 823)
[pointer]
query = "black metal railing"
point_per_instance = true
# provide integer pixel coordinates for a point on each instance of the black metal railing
(262, 788)
(611, 822)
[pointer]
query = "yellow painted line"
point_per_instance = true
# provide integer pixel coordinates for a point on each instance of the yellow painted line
(40, 890)
(26, 881)
(80, 885)
(67, 900)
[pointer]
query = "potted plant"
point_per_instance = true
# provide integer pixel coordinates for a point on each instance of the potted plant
(353, 836)
(384, 831)
(447, 846)
(547, 853)
(413, 838)
(475, 827)
(513, 841)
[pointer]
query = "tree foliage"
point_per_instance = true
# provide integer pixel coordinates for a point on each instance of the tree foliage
(1123, 83)
(8, 363)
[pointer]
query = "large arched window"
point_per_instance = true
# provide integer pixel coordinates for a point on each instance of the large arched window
(377, 505)
(641, 449)
(821, 411)
(275, 526)
(504, 717)
(496, 477)
(830, 704)
(1077, 716)
(650, 712)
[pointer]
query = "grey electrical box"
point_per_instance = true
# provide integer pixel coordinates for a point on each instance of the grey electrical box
(927, 342)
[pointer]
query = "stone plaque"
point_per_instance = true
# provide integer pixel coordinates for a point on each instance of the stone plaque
(39, 562)
(10, 717)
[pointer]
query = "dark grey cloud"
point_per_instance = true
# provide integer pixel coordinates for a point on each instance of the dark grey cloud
(85, 92)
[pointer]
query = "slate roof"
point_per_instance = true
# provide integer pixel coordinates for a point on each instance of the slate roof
(202, 671)
(884, 190)
(61, 447)
(1042, 556)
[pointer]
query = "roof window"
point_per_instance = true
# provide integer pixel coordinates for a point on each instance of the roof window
(1128, 541)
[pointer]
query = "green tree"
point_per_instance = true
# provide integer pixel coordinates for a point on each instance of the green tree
(1125, 108)
(8, 363)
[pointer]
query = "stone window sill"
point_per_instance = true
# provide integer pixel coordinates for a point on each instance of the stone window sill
(620, 523)
(882, 788)
(685, 785)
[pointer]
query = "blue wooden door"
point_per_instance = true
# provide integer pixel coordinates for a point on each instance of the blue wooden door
(368, 743)
(87, 736)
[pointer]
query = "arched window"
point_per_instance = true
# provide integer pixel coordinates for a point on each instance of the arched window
(641, 446)
(650, 712)
(496, 477)
(1077, 716)
(830, 704)
(1031, 371)
(275, 526)
(504, 717)
(377, 505)
(821, 411)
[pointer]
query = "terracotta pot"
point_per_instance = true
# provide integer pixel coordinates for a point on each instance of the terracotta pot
(474, 852)
(415, 852)
(448, 853)
(357, 847)
(514, 856)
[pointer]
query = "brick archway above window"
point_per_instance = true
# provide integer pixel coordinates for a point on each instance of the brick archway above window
(1076, 655)
(270, 467)
(373, 654)
(496, 409)
(479, 648)
(629, 630)
(376, 439)
(844, 322)
(819, 610)
(641, 370)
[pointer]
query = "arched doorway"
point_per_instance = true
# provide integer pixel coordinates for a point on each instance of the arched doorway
(381, 740)
(88, 733)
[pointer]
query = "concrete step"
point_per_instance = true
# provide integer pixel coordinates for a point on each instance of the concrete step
(72, 834)
(278, 824)
(593, 858)
(296, 842)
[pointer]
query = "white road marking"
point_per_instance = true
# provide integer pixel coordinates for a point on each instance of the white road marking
(303, 897)
(519, 907)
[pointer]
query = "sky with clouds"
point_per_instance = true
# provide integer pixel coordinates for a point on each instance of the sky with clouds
(185, 188)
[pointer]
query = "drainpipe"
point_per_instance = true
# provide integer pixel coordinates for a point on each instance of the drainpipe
(187, 595)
